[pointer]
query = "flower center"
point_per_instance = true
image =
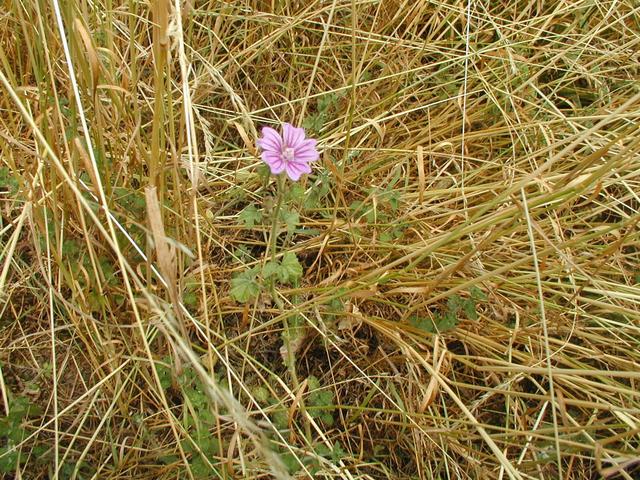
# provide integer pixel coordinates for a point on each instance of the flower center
(287, 154)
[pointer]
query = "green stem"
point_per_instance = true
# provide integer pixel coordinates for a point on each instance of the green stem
(271, 256)
(274, 225)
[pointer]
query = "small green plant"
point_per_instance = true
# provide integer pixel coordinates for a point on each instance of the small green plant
(250, 216)
(197, 419)
(313, 463)
(245, 286)
(379, 210)
(322, 187)
(320, 402)
(13, 432)
(326, 106)
(457, 308)
(9, 184)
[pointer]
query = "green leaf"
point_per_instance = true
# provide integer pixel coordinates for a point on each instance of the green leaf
(209, 445)
(477, 294)
(314, 122)
(190, 299)
(394, 200)
(8, 181)
(270, 268)
(386, 237)
(291, 462)
(322, 450)
(261, 394)
(290, 269)
(264, 172)
(70, 249)
(355, 207)
(291, 218)
(8, 460)
(327, 419)
(250, 216)
(280, 419)
(469, 309)
(454, 304)
(199, 468)
(313, 383)
(164, 373)
(338, 453)
(295, 193)
(446, 322)
(241, 253)
(244, 286)
(424, 324)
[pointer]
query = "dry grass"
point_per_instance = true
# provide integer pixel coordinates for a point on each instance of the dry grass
(494, 150)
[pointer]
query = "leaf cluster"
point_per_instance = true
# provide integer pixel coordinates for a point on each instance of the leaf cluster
(448, 318)
(248, 284)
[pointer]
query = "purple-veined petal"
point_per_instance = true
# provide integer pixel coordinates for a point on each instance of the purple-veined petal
(307, 151)
(306, 156)
(271, 140)
(277, 167)
(308, 143)
(274, 160)
(292, 136)
(296, 169)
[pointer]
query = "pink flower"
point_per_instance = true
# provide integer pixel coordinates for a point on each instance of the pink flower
(290, 152)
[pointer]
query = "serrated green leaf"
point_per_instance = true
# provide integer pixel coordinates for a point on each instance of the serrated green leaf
(446, 322)
(355, 207)
(477, 294)
(295, 193)
(327, 419)
(291, 219)
(250, 216)
(290, 462)
(386, 237)
(322, 450)
(454, 304)
(290, 269)
(8, 460)
(199, 467)
(469, 309)
(241, 253)
(164, 373)
(261, 394)
(338, 453)
(280, 419)
(244, 286)
(270, 268)
(371, 215)
(313, 383)
(190, 299)
(8, 181)
(394, 200)
(424, 324)
(314, 122)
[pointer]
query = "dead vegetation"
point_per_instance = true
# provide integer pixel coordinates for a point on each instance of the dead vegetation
(469, 240)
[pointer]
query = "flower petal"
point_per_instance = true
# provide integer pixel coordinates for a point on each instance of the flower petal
(277, 168)
(271, 140)
(292, 136)
(306, 157)
(274, 161)
(296, 169)
(307, 151)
